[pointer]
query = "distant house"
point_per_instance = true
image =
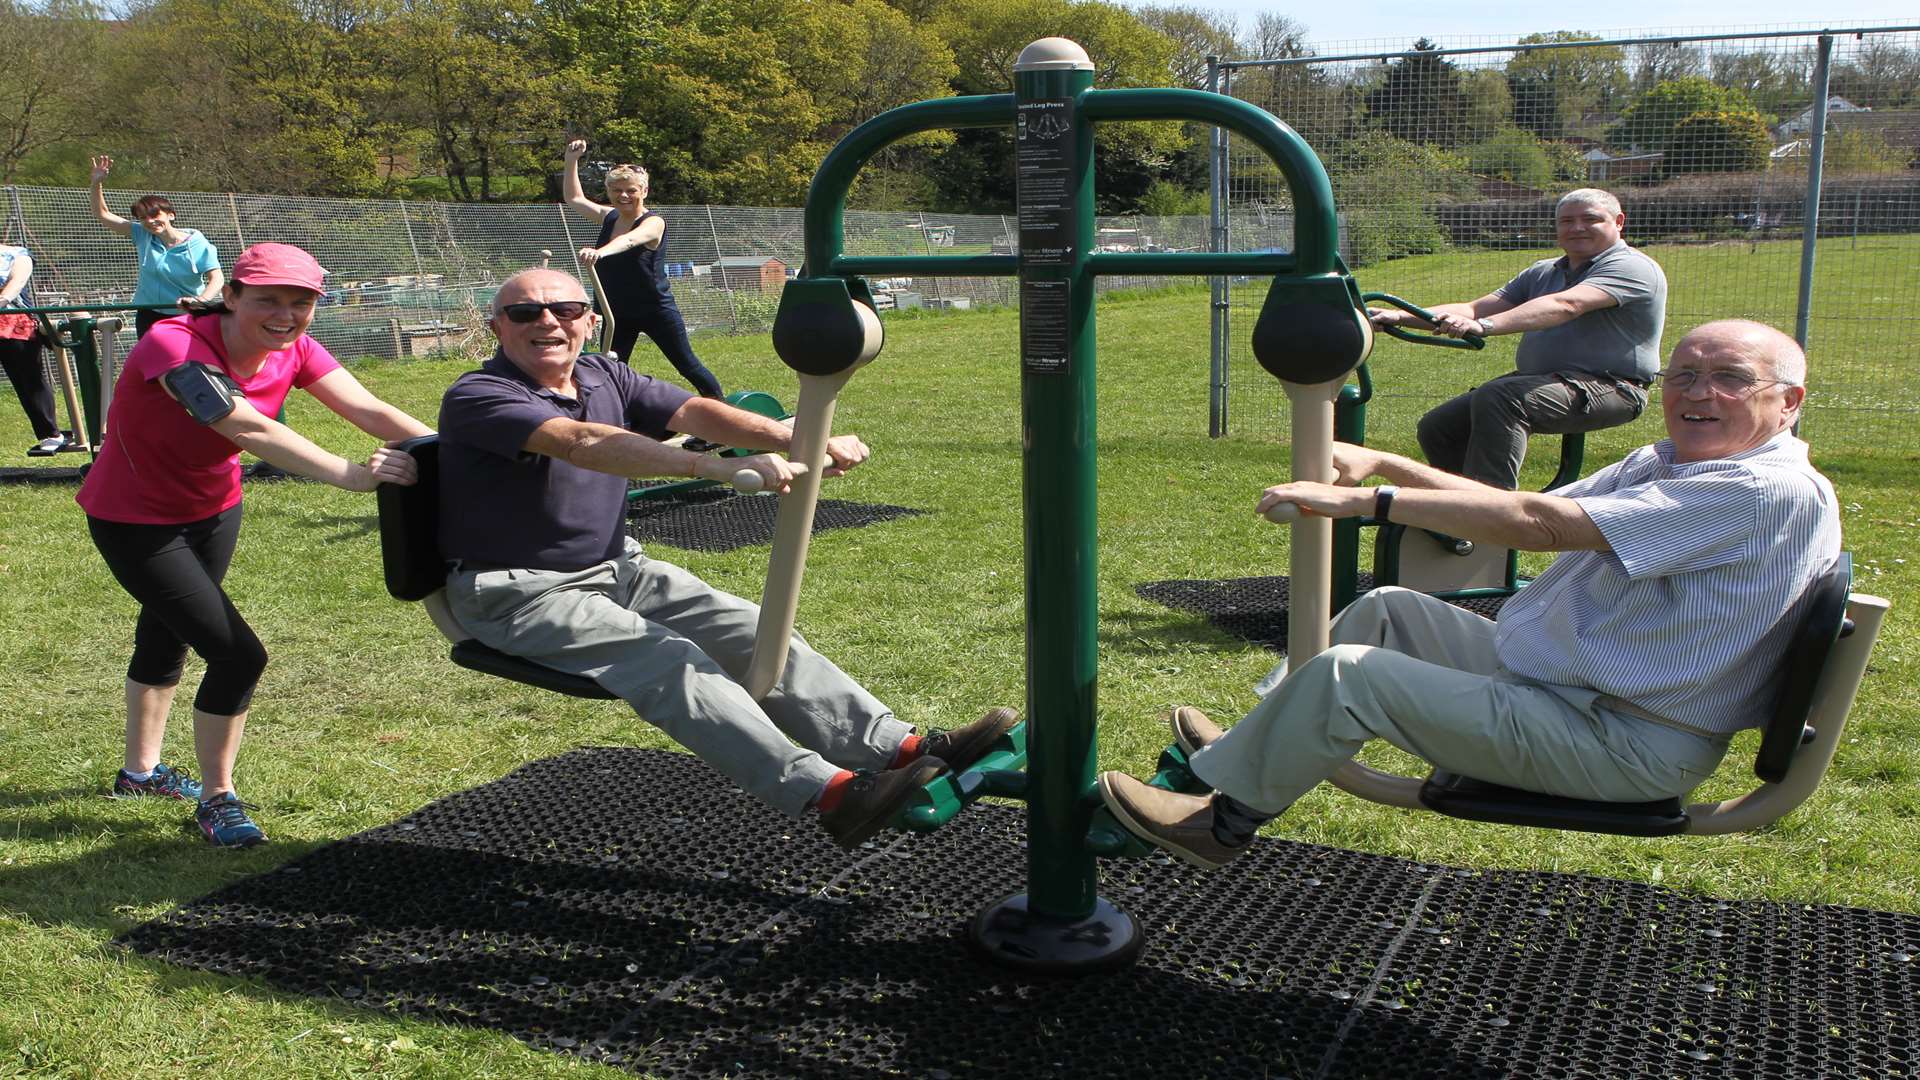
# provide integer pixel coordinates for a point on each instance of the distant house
(1899, 129)
(753, 273)
(1602, 166)
(1803, 124)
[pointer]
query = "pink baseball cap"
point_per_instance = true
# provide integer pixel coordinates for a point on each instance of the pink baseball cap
(278, 264)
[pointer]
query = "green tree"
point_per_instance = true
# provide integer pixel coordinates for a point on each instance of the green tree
(1422, 99)
(1513, 154)
(1489, 104)
(256, 95)
(476, 87)
(1721, 141)
(50, 93)
(1556, 92)
(1388, 186)
(976, 171)
(1648, 124)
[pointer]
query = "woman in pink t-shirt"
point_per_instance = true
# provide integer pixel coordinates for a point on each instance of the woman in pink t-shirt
(163, 506)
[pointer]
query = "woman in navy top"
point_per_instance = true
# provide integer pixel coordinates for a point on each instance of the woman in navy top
(625, 261)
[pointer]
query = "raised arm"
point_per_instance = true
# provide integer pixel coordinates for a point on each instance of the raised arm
(102, 165)
(570, 184)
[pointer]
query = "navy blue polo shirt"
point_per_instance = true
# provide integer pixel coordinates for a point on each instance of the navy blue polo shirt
(502, 505)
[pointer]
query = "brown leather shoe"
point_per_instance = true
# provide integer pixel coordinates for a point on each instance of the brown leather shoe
(1181, 825)
(963, 746)
(1191, 728)
(872, 799)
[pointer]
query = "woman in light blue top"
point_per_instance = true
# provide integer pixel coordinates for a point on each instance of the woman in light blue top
(176, 265)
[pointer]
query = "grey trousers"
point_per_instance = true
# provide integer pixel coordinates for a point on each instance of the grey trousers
(673, 647)
(1482, 434)
(1422, 674)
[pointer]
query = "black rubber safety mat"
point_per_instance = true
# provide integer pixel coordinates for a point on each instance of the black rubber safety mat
(1255, 608)
(40, 474)
(631, 907)
(721, 519)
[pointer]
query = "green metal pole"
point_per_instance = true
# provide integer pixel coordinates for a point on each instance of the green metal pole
(1060, 924)
(1057, 432)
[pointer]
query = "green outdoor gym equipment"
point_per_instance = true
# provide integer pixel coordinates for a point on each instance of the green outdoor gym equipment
(74, 334)
(1312, 333)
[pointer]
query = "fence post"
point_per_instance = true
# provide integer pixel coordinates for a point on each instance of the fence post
(419, 270)
(1816, 164)
(233, 211)
(719, 267)
(1217, 241)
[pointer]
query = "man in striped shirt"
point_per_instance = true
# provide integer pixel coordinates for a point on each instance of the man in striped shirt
(1619, 674)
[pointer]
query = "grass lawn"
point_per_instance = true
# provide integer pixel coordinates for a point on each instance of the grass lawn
(361, 719)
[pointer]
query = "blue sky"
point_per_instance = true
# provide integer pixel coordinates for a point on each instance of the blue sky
(1395, 23)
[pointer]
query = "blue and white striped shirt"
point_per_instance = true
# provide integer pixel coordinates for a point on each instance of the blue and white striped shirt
(1690, 613)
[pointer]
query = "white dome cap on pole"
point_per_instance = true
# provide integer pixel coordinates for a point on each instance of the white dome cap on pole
(1053, 54)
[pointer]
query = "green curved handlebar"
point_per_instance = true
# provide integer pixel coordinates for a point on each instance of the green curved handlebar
(1471, 341)
(1316, 229)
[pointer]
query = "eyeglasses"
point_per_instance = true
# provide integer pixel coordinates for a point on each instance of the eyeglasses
(564, 310)
(1728, 384)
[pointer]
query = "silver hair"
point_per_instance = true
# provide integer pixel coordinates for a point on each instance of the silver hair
(1590, 196)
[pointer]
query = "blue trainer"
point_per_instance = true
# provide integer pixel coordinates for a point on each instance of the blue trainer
(224, 822)
(166, 782)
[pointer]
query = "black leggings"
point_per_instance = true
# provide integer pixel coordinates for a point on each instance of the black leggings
(668, 331)
(174, 571)
(143, 321)
(26, 370)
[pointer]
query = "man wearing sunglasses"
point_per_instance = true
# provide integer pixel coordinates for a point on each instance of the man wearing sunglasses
(1619, 674)
(536, 448)
(1590, 325)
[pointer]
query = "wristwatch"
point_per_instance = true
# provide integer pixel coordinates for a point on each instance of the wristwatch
(1486, 327)
(1383, 501)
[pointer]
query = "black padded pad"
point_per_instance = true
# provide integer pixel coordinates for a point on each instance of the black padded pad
(1476, 800)
(410, 526)
(1311, 331)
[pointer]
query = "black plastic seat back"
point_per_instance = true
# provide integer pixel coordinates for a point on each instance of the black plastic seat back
(1825, 620)
(410, 527)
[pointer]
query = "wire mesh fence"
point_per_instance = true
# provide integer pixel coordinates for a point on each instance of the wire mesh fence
(409, 278)
(1447, 163)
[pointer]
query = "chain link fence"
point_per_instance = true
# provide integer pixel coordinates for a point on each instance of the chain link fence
(1447, 162)
(409, 278)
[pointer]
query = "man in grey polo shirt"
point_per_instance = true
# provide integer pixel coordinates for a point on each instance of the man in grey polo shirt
(1590, 326)
(1619, 674)
(535, 449)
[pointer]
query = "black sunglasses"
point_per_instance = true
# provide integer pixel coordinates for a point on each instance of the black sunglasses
(564, 310)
